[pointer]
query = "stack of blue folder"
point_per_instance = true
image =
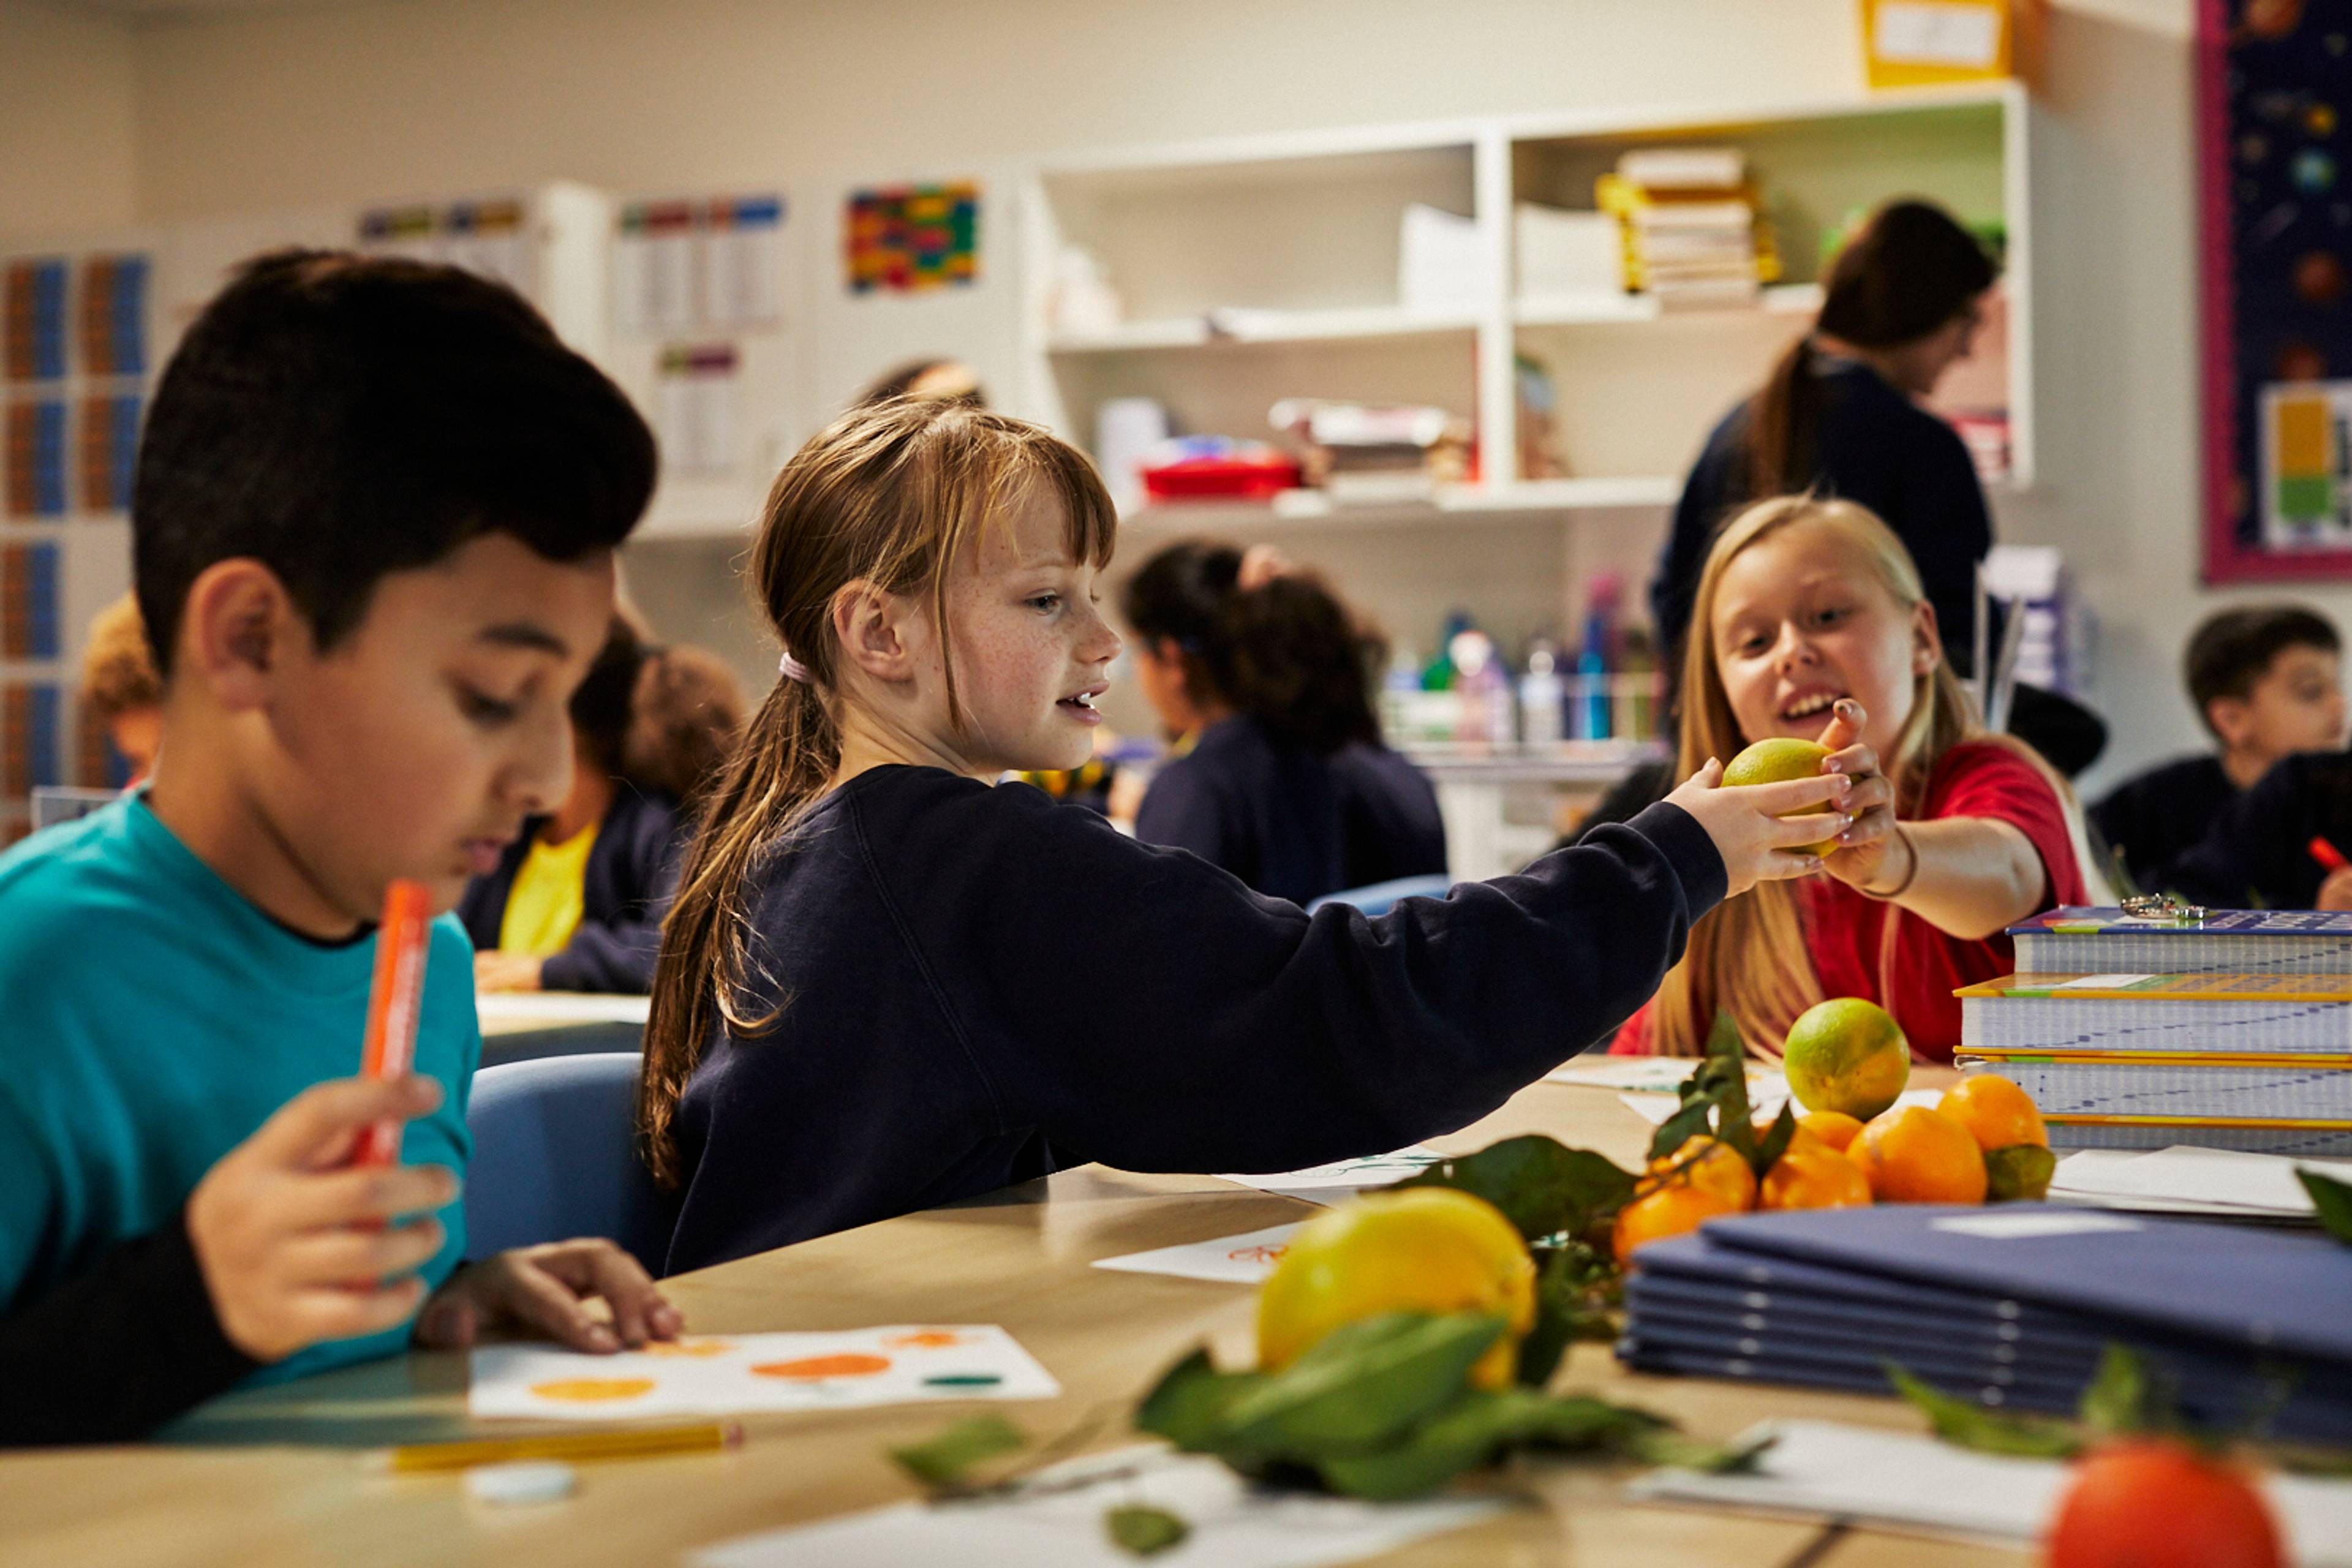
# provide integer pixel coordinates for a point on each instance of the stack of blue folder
(2010, 1306)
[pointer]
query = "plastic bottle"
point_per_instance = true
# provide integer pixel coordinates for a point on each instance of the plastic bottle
(1543, 712)
(1484, 687)
(1594, 660)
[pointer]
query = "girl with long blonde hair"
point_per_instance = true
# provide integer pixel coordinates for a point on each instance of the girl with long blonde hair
(1809, 622)
(889, 982)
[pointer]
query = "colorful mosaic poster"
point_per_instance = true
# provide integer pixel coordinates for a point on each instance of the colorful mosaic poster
(32, 319)
(28, 737)
(2276, 89)
(109, 451)
(36, 459)
(113, 311)
(29, 601)
(907, 239)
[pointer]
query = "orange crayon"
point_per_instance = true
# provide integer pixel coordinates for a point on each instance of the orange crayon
(393, 1005)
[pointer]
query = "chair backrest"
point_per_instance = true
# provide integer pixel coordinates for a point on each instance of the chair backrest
(554, 1158)
(1378, 897)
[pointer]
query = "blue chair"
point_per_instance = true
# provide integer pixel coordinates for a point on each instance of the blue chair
(554, 1158)
(1378, 897)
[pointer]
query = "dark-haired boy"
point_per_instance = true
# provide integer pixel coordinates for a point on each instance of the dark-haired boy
(2266, 684)
(373, 527)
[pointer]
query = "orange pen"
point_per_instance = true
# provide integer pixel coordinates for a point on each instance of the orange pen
(393, 1005)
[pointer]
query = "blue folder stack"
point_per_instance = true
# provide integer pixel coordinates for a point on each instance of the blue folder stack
(2009, 1306)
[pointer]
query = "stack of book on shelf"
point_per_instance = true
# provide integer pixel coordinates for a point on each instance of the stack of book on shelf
(1689, 220)
(2228, 1031)
(2012, 1305)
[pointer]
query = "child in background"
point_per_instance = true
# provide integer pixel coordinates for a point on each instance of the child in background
(2265, 682)
(373, 530)
(576, 903)
(119, 685)
(1264, 681)
(885, 983)
(1810, 621)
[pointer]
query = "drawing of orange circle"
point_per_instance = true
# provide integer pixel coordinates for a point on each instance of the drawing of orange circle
(924, 1340)
(594, 1390)
(689, 1347)
(811, 1368)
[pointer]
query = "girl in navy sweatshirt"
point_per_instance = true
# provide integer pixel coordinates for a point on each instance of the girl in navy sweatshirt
(886, 983)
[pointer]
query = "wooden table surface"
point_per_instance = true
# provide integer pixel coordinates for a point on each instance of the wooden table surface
(273, 1477)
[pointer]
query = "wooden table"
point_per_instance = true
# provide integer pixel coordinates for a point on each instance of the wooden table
(272, 1478)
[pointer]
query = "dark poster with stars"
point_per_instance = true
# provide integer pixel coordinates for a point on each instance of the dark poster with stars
(2274, 91)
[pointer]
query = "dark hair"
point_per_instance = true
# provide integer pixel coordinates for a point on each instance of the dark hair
(1904, 273)
(1286, 652)
(338, 418)
(902, 381)
(603, 704)
(2233, 649)
(658, 718)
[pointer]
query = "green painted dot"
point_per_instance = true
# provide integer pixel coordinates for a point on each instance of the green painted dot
(962, 1380)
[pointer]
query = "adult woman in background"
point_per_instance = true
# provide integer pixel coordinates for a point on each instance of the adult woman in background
(1264, 680)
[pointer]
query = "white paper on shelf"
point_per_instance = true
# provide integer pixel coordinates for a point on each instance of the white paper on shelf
(1865, 1474)
(560, 1007)
(1233, 1524)
(1244, 1259)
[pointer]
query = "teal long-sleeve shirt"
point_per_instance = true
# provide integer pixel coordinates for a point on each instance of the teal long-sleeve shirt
(151, 1020)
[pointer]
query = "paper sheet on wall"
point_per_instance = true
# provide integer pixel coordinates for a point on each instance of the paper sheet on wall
(1863, 1473)
(728, 1374)
(1244, 1259)
(1233, 1524)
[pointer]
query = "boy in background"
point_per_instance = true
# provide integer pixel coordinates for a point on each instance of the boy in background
(119, 688)
(2265, 682)
(373, 527)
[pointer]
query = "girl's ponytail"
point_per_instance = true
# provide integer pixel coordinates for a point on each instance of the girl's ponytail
(1294, 658)
(1784, 423)
(684, 719)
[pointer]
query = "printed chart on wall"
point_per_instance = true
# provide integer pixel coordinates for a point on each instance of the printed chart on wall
(909, 238)
(2275, 90)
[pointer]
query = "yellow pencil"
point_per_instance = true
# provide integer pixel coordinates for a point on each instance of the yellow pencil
(628, 1443)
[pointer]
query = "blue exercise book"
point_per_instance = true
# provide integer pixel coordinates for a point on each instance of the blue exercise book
(2277, 1293)
(1889, 1329)
(1761, 1279)
(2095, 941)
(1863, 1350)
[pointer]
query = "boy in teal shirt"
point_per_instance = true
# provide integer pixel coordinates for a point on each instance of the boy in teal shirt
(373, 529)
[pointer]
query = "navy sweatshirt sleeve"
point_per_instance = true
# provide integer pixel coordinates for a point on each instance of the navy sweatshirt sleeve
(1138, 1007)
(2257, 848)
(1183, 810)
(143, 1318)
(631, 877)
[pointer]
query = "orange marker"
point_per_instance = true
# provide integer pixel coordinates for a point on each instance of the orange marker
(2331, 860)
(393, 1005)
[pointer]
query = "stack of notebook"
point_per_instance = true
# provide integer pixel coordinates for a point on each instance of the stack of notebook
(2009, 1306)
(2230, 1032)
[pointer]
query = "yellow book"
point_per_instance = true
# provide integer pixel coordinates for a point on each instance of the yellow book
(2289, 988)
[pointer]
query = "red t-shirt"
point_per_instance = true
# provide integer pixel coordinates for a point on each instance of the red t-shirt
(1847, 933)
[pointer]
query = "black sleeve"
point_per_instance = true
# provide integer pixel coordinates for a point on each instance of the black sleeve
(1943, 520)
(1141, 1008)
(616, 953)
(1180, 811)
(1707, 495)
(111, 1355)
(2257, 852)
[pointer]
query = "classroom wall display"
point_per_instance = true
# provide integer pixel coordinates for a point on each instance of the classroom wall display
(28, 740)
(698, 415)
(687, 265)
(32, 319)
(29, 601)
(907, 238)
(35, 458)
(2275, 87)
(491, 238)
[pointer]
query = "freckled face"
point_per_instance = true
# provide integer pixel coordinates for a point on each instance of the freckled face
(1801, 619)
(1032, 651)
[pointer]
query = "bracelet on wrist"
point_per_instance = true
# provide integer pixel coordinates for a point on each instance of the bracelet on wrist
(1910, 872)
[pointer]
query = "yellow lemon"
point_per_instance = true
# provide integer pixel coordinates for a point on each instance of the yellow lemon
(1774, 760)
(1424, 1250)
(1846, 1055)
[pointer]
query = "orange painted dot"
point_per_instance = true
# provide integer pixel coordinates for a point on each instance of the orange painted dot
(811, 1368)
(594, 1390)
(689, 1347)
(924, 1340)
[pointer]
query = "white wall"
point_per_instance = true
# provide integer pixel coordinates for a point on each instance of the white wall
(402, 98)
(66, 120)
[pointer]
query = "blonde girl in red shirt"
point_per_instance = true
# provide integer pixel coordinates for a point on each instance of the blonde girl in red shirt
(1810, 621)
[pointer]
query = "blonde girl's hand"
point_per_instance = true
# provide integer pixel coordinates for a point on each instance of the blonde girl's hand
(1869, 851)
(1751, 828)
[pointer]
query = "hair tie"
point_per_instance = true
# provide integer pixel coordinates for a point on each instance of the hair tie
(791, 668)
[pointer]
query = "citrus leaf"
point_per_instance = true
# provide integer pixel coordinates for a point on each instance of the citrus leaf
(1968, 1425)
(1140, 1530)
(2333, 1199)
(2020, 1171)
(1665, 1447)
(1189, 1405)
(943, 1460)
(2126, 1396)
(1696, 1116)
(1476, 1427)
(1776, 1142)
(1541, 1185)
(1359, 1385)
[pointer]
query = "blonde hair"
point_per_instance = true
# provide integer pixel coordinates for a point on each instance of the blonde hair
(1749, 956)
(890, 494)
(118, 670)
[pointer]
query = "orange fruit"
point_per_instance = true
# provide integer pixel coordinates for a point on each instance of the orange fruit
(1423, 1250)
(1708, 1163)
(1801, 1137)
(1669, 1210)
(1833, 1128)
(1847, 1054)
(1814, 1178)
(1996, 1110)
(1914, 1155)
(2154, 1503)
(1772, 761)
